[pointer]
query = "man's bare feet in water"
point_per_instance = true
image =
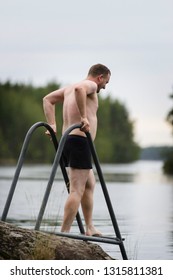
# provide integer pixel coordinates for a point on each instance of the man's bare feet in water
(91, 231)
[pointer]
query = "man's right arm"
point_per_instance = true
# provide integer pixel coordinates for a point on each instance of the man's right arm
(81, 91)
(81, 96)
(49, 102)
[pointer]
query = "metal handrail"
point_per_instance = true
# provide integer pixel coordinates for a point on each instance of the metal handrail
(100, 175)
(106, 195)
(20, 163)
(59, 160)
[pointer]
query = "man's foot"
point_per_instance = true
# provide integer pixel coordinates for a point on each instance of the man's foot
(91, 231)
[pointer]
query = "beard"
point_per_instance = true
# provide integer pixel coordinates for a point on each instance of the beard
(98, 89)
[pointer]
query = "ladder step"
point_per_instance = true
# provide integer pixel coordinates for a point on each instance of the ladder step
(102, 239)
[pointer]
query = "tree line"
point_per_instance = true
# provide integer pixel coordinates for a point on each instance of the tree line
(21, 107)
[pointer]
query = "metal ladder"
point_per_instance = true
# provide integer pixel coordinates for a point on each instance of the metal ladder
(58, 160)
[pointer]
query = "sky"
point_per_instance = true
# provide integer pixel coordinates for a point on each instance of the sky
(42, 41)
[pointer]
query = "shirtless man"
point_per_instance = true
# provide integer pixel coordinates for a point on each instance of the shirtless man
(80, 104)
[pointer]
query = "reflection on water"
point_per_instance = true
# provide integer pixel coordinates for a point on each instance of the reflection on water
(141, 197)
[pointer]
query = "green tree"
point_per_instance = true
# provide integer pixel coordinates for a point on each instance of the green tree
(115, 137)
(168, 163)
(20, 108)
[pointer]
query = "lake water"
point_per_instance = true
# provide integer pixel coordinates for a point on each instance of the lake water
(141, 195)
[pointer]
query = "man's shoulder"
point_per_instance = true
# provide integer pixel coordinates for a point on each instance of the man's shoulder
(89, 85)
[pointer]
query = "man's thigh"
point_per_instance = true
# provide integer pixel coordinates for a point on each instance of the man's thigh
(78, 178)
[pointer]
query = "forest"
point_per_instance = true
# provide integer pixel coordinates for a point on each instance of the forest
(21, 107)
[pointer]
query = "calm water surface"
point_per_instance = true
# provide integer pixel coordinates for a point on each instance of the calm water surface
(141, 195)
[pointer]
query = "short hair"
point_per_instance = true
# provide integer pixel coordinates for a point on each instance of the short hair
(99, 69)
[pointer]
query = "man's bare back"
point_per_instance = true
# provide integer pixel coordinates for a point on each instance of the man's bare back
(71, 114)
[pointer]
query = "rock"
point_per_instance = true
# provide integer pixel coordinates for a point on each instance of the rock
(25, 244)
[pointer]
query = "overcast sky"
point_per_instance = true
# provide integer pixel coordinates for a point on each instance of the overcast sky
(43, 40)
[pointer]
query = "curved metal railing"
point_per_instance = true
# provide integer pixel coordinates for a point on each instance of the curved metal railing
(59, 160)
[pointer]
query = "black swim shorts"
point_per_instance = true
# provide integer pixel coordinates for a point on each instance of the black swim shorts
(77, 153)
